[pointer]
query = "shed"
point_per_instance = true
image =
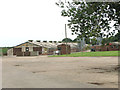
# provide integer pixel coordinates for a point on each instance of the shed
(64, 49)
(114, 46)
(35, 48)
(26, 49)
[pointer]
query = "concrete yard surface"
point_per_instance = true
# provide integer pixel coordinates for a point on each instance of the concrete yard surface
(59, 72)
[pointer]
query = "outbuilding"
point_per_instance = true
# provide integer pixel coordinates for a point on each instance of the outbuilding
(35, 48)
(26, 49)
(113, 46)
(64, 49)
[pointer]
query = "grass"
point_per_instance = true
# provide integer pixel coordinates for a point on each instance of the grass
(0, 51)
(90, 54)
(3, 50)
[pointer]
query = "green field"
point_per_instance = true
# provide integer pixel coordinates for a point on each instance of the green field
(0, 51)
(90, 54)
(3, 50)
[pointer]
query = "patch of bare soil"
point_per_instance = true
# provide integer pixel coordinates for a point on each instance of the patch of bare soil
(96, 72)
(96, 83)
(104, 70)
(38, 71)
(17, 65)
(117, 68)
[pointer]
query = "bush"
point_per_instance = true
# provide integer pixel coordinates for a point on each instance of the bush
(5, 49)
(87, 48)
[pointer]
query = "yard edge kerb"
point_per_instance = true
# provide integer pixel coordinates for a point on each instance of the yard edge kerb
(0, 68)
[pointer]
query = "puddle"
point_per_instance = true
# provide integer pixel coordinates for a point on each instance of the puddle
(38, 71)
(100, 72)
(108, 69)
(17, 65)
(87, 69)
(95, 83)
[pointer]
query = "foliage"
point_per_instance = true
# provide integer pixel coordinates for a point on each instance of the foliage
(91, 19)
(30, 40)
(93, 41)
(67, 40)
(87, 40)
(4, 50)
(88, 47)
(115, 38)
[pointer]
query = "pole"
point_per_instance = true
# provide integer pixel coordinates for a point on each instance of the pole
(66, 39)
(65, 1)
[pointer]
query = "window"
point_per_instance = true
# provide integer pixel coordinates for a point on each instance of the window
(27, 49)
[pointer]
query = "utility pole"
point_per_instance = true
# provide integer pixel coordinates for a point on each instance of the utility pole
(66, 39)
(65, 1)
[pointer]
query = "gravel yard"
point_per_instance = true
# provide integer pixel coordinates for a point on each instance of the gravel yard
(60, 72)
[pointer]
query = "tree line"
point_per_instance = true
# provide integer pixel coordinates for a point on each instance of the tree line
(114, 38)
(91, 19)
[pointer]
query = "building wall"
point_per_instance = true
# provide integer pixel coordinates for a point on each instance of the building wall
(31, 48)
(64, 49)
(51, 51)
(10, 52)
(16, 51)
(39, 49)
(74, 50)
(21, 50)
(44, 49)
(107, 48)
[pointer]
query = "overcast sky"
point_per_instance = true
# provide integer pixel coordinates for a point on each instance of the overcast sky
(22, 20)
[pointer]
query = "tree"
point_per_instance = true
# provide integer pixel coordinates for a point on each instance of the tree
(115, 38)
(87, 40)
(75, 40)
(94, 41)
(67, 40)
(91, 19)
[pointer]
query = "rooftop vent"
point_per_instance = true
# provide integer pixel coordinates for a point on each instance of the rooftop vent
(38, 41)
(30, 40)
(55, 41)
(45, 41)
(50, 41)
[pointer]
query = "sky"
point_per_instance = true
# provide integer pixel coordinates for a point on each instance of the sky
(22, 20)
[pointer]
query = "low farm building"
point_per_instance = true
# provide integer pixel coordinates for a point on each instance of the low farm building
(64, 49)
(114, 46)
(35, 48)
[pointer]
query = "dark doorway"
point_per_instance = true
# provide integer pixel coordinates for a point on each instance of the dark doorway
(27, 49)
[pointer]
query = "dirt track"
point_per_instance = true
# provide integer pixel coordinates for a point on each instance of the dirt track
(60, 72)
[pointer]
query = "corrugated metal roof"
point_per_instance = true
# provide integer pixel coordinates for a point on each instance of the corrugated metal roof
(53, 45)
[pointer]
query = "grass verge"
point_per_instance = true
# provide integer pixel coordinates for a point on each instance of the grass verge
(90, 54)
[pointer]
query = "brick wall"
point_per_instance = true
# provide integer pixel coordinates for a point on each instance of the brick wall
(107, 48)
(17, 50)
(63, 49)
(38, 49)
